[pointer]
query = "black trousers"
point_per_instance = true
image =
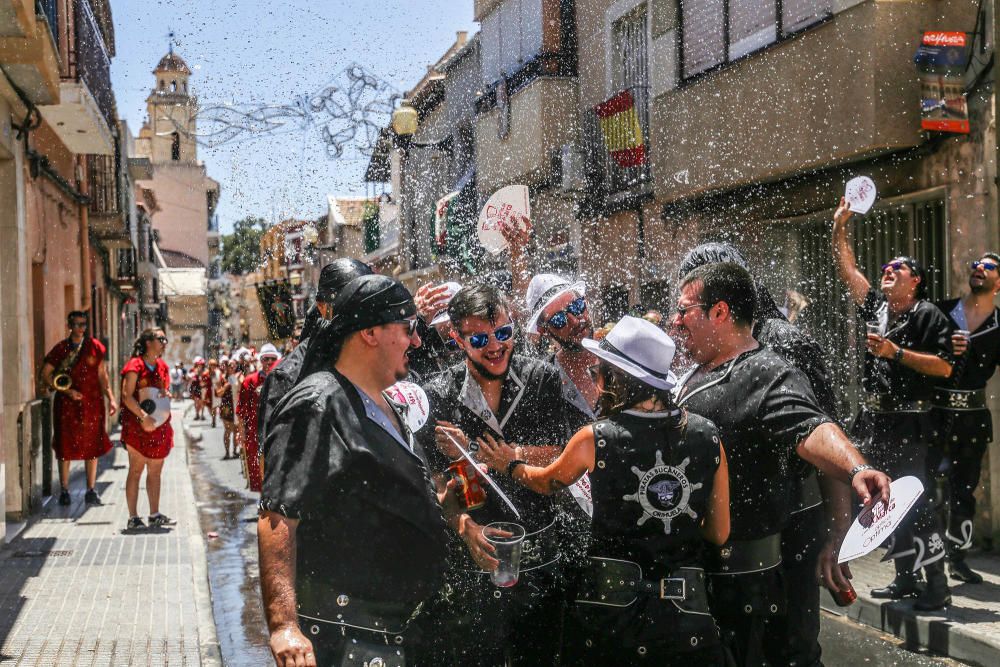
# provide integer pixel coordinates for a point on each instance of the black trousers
(336, 646)
(956, 459)
(750, 611)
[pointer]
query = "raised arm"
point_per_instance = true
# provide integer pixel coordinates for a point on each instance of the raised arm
(843, 254)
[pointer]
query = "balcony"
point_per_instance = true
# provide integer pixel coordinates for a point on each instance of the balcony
(839, 93)
(28, 49)
(108, 220)
(516, 144)
(85, 112)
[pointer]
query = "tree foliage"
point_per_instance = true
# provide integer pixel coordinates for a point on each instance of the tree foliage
(241, 249)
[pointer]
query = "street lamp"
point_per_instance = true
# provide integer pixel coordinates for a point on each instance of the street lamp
(405, 120)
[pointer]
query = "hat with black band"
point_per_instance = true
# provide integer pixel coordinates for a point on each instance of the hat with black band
(640, 348)
(370, 301)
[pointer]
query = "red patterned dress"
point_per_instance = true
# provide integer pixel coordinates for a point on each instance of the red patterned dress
(249, 404)
(80, 431)
(154, 444)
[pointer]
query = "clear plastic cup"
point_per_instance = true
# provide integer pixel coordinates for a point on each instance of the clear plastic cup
(873, 327)
(506, 538)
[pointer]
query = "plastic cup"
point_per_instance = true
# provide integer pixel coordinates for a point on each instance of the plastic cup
(963, 333)
(873, 327)
(506, 538)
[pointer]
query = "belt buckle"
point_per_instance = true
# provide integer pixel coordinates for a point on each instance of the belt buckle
(664, 595)
(958, 400)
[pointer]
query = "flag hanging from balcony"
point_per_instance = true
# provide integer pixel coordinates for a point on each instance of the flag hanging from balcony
(622, 131)
(275, 297)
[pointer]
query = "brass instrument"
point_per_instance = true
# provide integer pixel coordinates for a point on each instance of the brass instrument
(62, 382)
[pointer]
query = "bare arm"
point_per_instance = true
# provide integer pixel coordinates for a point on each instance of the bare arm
(129, 403)
(829, 449)
(276, 546)
(924, 363)
(837, 503)
(46, 375)
(519, 238)
(715, 527)
(576, 459)
(105, 382)
(843, 254)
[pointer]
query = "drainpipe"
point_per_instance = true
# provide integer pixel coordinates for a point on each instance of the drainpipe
(84, 237)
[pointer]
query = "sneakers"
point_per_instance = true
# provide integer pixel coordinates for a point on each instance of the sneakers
(64, 498)
(135, 523)
(159, 520)
(92, 498)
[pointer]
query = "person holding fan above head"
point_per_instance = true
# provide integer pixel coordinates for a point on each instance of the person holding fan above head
(907, 353)
(76, 370)
(965, 426)
(660, 486)
(146, 377)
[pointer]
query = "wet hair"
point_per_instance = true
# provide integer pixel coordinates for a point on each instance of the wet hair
(715, 252)
(917, 269)
(74, 314)
(623, 391)
(142, 342)
(728, 282)
(477, 300)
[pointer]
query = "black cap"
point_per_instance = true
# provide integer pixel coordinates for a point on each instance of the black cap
(369, 301)
(337, 274)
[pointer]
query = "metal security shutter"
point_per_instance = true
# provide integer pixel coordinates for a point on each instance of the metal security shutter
(799, 14)
(752, 25)
(704, 40)
(630, 51)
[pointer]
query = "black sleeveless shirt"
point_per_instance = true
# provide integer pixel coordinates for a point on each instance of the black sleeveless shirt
(651, 485)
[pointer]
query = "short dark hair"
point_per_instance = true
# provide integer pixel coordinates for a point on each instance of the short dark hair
(623, 391)
(477, 300)
(712, 252)
(729, 282)
(917, 269)
(73, 314)
(139, 347)
(992, 255)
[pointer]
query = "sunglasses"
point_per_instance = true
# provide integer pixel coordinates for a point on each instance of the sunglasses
(682, 310)
(895, 266)
(480, 340)
(986, 266)
(79, 324)
(162, 339)
(411, 326)
(576, 308)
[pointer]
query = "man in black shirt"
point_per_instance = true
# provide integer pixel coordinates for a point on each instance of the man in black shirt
(518, 400)
(805, 534)
(332, 278)
(907, 352)
(346, 492)
(964, 422)
(768, 418)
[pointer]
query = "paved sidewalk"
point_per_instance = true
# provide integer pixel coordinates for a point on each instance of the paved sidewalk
(968, 630)
(75, 590)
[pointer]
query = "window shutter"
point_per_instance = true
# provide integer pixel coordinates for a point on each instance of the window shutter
(704, 36)
(752, 25)
(799, 14)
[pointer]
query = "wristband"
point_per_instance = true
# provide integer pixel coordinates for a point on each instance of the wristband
(898, 356)
(858, 468)
(513, 464)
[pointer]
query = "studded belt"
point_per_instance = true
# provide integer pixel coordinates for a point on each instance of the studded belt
(746, 556)
(887, 403)
(959, 400)
(611, 582)
(386, 618)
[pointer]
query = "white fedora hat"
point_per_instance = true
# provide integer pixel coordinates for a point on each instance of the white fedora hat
(269, 350)
(451, 289)
(640, 348)
(543, 290)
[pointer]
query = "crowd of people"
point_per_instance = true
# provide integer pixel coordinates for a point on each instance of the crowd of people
(683, 483)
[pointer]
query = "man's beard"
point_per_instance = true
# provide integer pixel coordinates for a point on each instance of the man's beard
(982, 288)
(486, 373)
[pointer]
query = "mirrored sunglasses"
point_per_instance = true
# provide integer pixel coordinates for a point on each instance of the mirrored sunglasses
(895, 266)
(480, 340)
(986, 266)
(576, 308)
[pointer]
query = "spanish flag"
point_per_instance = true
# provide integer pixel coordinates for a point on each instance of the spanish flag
(622, 131)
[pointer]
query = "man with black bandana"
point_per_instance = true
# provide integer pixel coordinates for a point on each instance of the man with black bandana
(346, 492)
(767, 417)
(964, 422)
(332, 278)
(518, 400)
(907, 354)
(806, 533)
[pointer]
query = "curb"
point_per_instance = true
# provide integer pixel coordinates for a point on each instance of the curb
(211, 653)
(924, 630)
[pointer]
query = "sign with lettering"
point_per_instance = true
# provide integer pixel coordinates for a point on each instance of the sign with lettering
(504, 209)
(877, 521)
(942, 60)
(417, 405)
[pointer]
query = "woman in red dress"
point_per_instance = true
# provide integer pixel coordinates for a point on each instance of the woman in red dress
(208, 380)
(147, 443)
(78, 414)
(195, 388)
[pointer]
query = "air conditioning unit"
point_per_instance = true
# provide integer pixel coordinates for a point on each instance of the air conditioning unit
(572, 168)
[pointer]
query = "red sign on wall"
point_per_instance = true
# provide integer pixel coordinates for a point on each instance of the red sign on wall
(942, 60)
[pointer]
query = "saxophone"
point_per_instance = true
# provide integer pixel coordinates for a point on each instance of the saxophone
(62, 381)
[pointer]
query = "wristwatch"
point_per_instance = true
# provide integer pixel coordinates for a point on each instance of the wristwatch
(898, 356)
(858, 468)
(513, 464)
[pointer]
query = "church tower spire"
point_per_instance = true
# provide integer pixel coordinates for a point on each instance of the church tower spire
(170, 109)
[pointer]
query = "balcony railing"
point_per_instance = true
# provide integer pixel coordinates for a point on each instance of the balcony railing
(624, 173)
(103, 177)
(93, 64)
(50, 10)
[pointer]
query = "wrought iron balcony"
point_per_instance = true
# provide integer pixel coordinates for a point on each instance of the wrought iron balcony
(93, 60)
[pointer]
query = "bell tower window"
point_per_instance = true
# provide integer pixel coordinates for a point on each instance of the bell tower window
(175, 146)
(173, 86)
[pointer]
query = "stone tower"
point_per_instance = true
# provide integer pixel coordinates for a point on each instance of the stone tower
(169, 131)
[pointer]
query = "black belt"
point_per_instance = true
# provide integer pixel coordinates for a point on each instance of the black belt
(959, 400)
(387, 618)
(887, 403)
(611, 582)
(747, 556)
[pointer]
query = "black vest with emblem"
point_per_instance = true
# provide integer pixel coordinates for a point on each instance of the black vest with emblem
(651, 485)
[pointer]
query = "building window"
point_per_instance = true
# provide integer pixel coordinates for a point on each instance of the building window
(510, 36)
(630, 67)
(175, 146)
(717, 32)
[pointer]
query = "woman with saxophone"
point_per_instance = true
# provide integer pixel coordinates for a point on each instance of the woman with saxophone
(75, 369)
